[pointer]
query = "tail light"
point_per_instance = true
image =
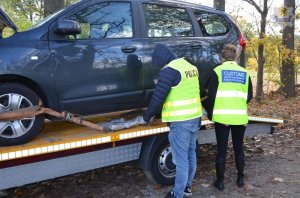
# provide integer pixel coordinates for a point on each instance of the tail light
(243, 42)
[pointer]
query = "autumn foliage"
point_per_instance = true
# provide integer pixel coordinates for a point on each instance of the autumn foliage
(274, 53)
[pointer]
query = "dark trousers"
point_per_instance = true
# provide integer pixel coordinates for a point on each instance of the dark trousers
(237, 135)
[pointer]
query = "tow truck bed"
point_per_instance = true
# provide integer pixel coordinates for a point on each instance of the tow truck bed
(65, 148)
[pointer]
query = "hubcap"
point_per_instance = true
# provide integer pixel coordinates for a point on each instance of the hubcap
(14, 128)
(165, 164)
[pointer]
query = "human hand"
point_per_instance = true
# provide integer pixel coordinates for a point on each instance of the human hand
(147, 120)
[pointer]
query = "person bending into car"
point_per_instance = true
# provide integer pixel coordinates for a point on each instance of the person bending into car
(178, 93)
(229, 91)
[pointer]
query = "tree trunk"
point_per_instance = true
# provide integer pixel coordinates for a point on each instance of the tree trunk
(260, 58)
(51, 6)
(288, 63)
(260, 73)
(219, 4)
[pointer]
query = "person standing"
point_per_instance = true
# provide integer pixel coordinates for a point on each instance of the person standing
(177, 92)
(229, 91)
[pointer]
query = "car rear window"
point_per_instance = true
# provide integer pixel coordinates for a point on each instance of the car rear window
(211, 24)
(166, 21)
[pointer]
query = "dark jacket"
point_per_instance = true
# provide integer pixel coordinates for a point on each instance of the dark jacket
(168, 77)
(212, 87)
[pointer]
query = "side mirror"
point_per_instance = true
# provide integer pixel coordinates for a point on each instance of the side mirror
(67, 27)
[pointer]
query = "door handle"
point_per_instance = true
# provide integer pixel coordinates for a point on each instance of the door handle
(196, 45)
(128, 49)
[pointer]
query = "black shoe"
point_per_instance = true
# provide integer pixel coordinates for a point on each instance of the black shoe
(187, 192)
(219, 185)
(240, 182)
(220, 170)
(240, 164)
(170, 194)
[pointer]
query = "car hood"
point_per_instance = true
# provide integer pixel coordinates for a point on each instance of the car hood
(5, 21)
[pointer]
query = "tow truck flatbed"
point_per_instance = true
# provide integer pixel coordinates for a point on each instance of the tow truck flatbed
(65, 148)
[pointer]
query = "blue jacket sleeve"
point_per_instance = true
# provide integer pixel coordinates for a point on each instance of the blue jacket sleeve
(168, 77)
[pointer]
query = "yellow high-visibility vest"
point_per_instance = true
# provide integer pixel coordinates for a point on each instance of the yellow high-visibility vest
(183, 101)
(230, 106)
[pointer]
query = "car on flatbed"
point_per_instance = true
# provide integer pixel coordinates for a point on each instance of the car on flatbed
(95, 56)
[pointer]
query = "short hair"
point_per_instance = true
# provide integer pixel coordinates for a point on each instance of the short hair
(229, 52)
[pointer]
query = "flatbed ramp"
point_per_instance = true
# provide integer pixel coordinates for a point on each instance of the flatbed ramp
(65, 148)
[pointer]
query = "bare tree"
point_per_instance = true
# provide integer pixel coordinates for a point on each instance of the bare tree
(51, 6)
(288, 63)
(263, 11)
(219, 4)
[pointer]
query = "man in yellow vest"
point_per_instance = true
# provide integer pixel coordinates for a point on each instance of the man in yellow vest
(178, 92)
(229, 91)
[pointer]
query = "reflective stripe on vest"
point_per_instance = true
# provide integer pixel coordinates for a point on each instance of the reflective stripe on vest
(230, 112)
(230, 94)
(230, 106)
(181, 112)
(183, 101)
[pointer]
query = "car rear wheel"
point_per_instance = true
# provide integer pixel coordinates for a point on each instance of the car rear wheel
(14, 96)
(162, 169)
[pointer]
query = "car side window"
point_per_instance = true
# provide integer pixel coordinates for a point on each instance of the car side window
(211, 24)
(165, 21)
(104, 20)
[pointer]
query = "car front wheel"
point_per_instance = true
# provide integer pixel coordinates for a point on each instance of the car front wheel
(14, 96)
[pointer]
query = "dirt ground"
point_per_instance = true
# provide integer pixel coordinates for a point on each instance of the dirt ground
(272, 168)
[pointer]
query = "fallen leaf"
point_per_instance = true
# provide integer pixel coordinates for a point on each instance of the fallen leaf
(205, 185)
(278, 179)
(249, 187)
(157, 187)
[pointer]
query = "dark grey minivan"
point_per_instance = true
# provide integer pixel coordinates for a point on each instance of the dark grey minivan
(95, 56)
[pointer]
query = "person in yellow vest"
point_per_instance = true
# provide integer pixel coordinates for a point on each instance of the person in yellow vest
(229, 91)
(177, 93)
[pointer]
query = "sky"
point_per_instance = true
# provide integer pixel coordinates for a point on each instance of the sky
(249, 12)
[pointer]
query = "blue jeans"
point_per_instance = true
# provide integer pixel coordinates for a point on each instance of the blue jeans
(182, 137)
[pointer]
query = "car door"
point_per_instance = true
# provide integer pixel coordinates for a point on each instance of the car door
(99, 69)
(170, 24)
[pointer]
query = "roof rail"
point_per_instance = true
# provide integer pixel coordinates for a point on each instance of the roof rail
(186, 3)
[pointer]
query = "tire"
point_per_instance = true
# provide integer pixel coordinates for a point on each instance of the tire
(162, 169)
(15, 96)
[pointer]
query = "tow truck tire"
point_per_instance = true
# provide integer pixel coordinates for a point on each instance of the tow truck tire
(162, 169)
(15, 96)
